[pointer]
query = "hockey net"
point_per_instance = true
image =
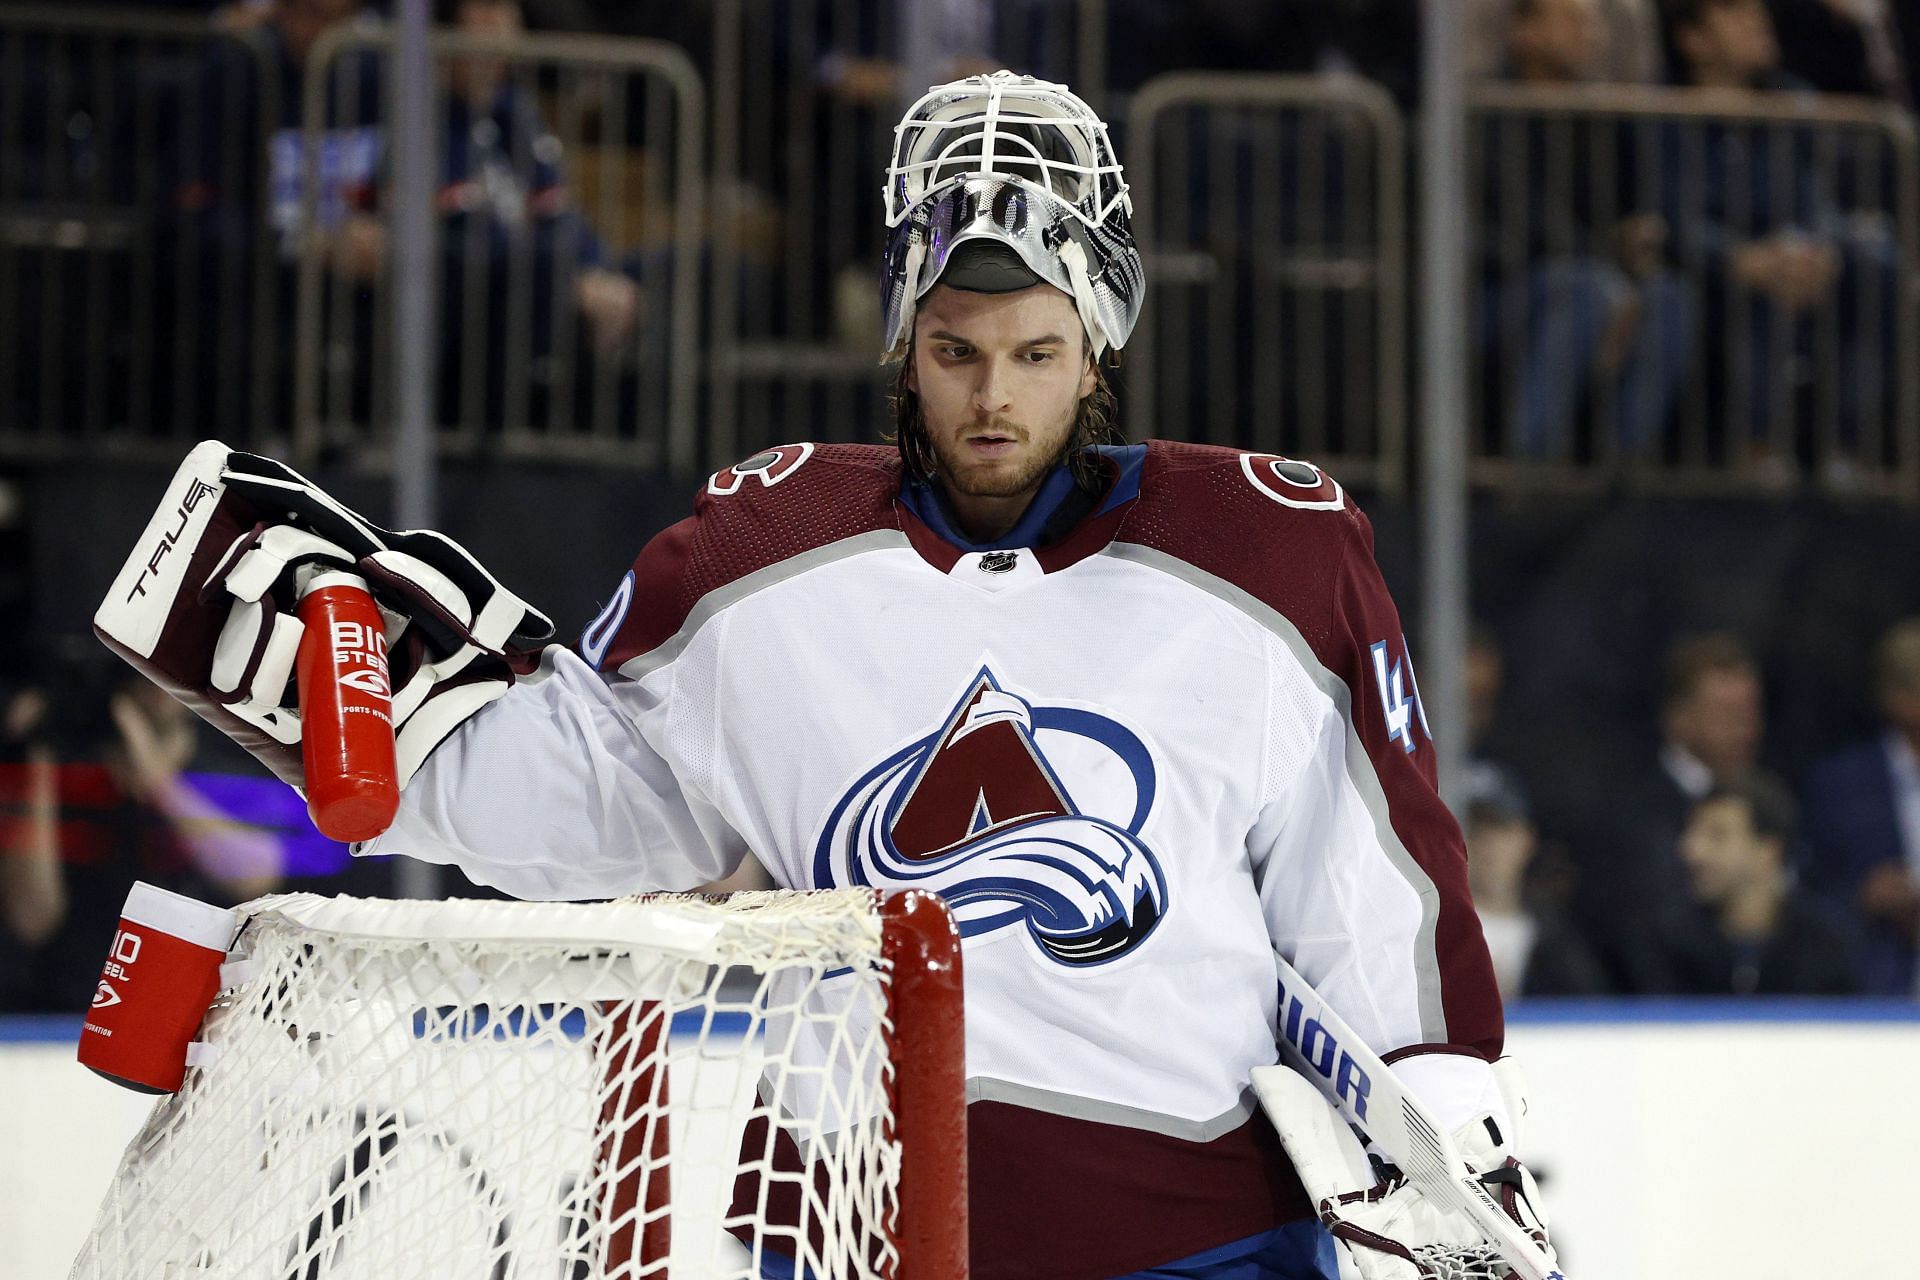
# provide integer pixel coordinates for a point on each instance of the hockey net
(766, 1085)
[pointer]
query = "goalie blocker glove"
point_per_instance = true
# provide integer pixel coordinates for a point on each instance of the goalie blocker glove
(204, 607)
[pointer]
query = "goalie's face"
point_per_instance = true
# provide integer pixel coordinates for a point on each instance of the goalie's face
(1000, 377)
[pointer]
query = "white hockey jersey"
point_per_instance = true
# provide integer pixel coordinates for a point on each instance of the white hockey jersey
(1137, 745)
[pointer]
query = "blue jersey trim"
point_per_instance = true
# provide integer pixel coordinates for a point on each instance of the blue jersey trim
(1131, 459)
(922, 499)
(1297, 1251)
(925, 503)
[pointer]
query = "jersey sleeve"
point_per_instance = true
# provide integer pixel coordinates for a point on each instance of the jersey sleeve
(1361, 868)
(596, 775)
(590, 777)
(568, 787)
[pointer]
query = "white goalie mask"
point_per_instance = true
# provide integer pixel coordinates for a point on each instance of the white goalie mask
(1016, 160)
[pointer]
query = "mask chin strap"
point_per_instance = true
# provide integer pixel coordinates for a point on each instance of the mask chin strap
(909, 295)
(1074, 259)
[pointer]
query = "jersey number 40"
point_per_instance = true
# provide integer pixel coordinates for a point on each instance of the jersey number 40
(1399, 693)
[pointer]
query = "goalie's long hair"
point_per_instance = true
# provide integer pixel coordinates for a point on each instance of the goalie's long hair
(1095, 421)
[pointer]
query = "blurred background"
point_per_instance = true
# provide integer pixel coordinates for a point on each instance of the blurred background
(1603, 309)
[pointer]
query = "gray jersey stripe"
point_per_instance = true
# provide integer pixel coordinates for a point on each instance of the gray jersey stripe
(710, 604)
(985, 1089)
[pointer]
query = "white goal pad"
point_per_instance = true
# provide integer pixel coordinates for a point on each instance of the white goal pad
(670, 1086)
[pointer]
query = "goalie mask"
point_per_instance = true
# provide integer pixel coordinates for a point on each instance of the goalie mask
(1015, 164)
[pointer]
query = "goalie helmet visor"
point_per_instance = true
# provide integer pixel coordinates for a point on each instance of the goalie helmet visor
(1095, 266)
(987, 266)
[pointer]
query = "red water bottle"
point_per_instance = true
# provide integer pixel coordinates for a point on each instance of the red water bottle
(346, 710)
(162, 971)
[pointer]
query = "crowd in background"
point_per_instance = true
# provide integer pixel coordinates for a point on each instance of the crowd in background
(1726, 227)
(1691, 871)
(1702, 290)
(1696, 870)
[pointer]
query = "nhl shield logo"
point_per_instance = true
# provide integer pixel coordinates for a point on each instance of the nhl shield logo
(978, 812)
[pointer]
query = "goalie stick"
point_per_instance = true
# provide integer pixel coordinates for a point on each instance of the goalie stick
(1368, 1093)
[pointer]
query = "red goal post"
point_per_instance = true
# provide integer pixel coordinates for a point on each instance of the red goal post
(662, 1086)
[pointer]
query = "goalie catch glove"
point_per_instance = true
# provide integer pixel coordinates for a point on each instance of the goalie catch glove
(204, 608)
(1384, 1226)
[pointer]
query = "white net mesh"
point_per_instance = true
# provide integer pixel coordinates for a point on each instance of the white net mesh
(657, 1087)
(1461, 1262)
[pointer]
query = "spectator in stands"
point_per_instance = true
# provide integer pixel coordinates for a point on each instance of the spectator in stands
(502, 189)
(1577, 298)
(1629, 42)
(1625, 38)
(1754, 215)
(1765, 937)
(1499, 747)
(490, 121)
(1634, 895)
(1549, 42)
(1862, 810)
(242, 204)
(1486, 679)
(217, 175)
(33, 892)
(495, 198)
(1712, 713)
(1492, 740)
(506, 208)
(1536, 950)
(96, 796)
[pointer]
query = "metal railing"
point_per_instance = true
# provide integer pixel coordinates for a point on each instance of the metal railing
(1271, 212)
(187, 250)
(1695, 290)
(134, 321)
(806, 93)
(571, 203)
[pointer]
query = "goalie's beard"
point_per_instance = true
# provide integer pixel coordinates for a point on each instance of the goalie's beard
(1096, 421)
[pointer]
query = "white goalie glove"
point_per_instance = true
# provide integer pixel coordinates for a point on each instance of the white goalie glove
(205, 605)
(1385, 1228)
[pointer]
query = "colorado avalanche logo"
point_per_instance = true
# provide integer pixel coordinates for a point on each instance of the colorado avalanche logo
(977, 813)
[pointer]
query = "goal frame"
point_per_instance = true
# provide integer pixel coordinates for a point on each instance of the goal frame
(927, 1043)
(911, 945)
